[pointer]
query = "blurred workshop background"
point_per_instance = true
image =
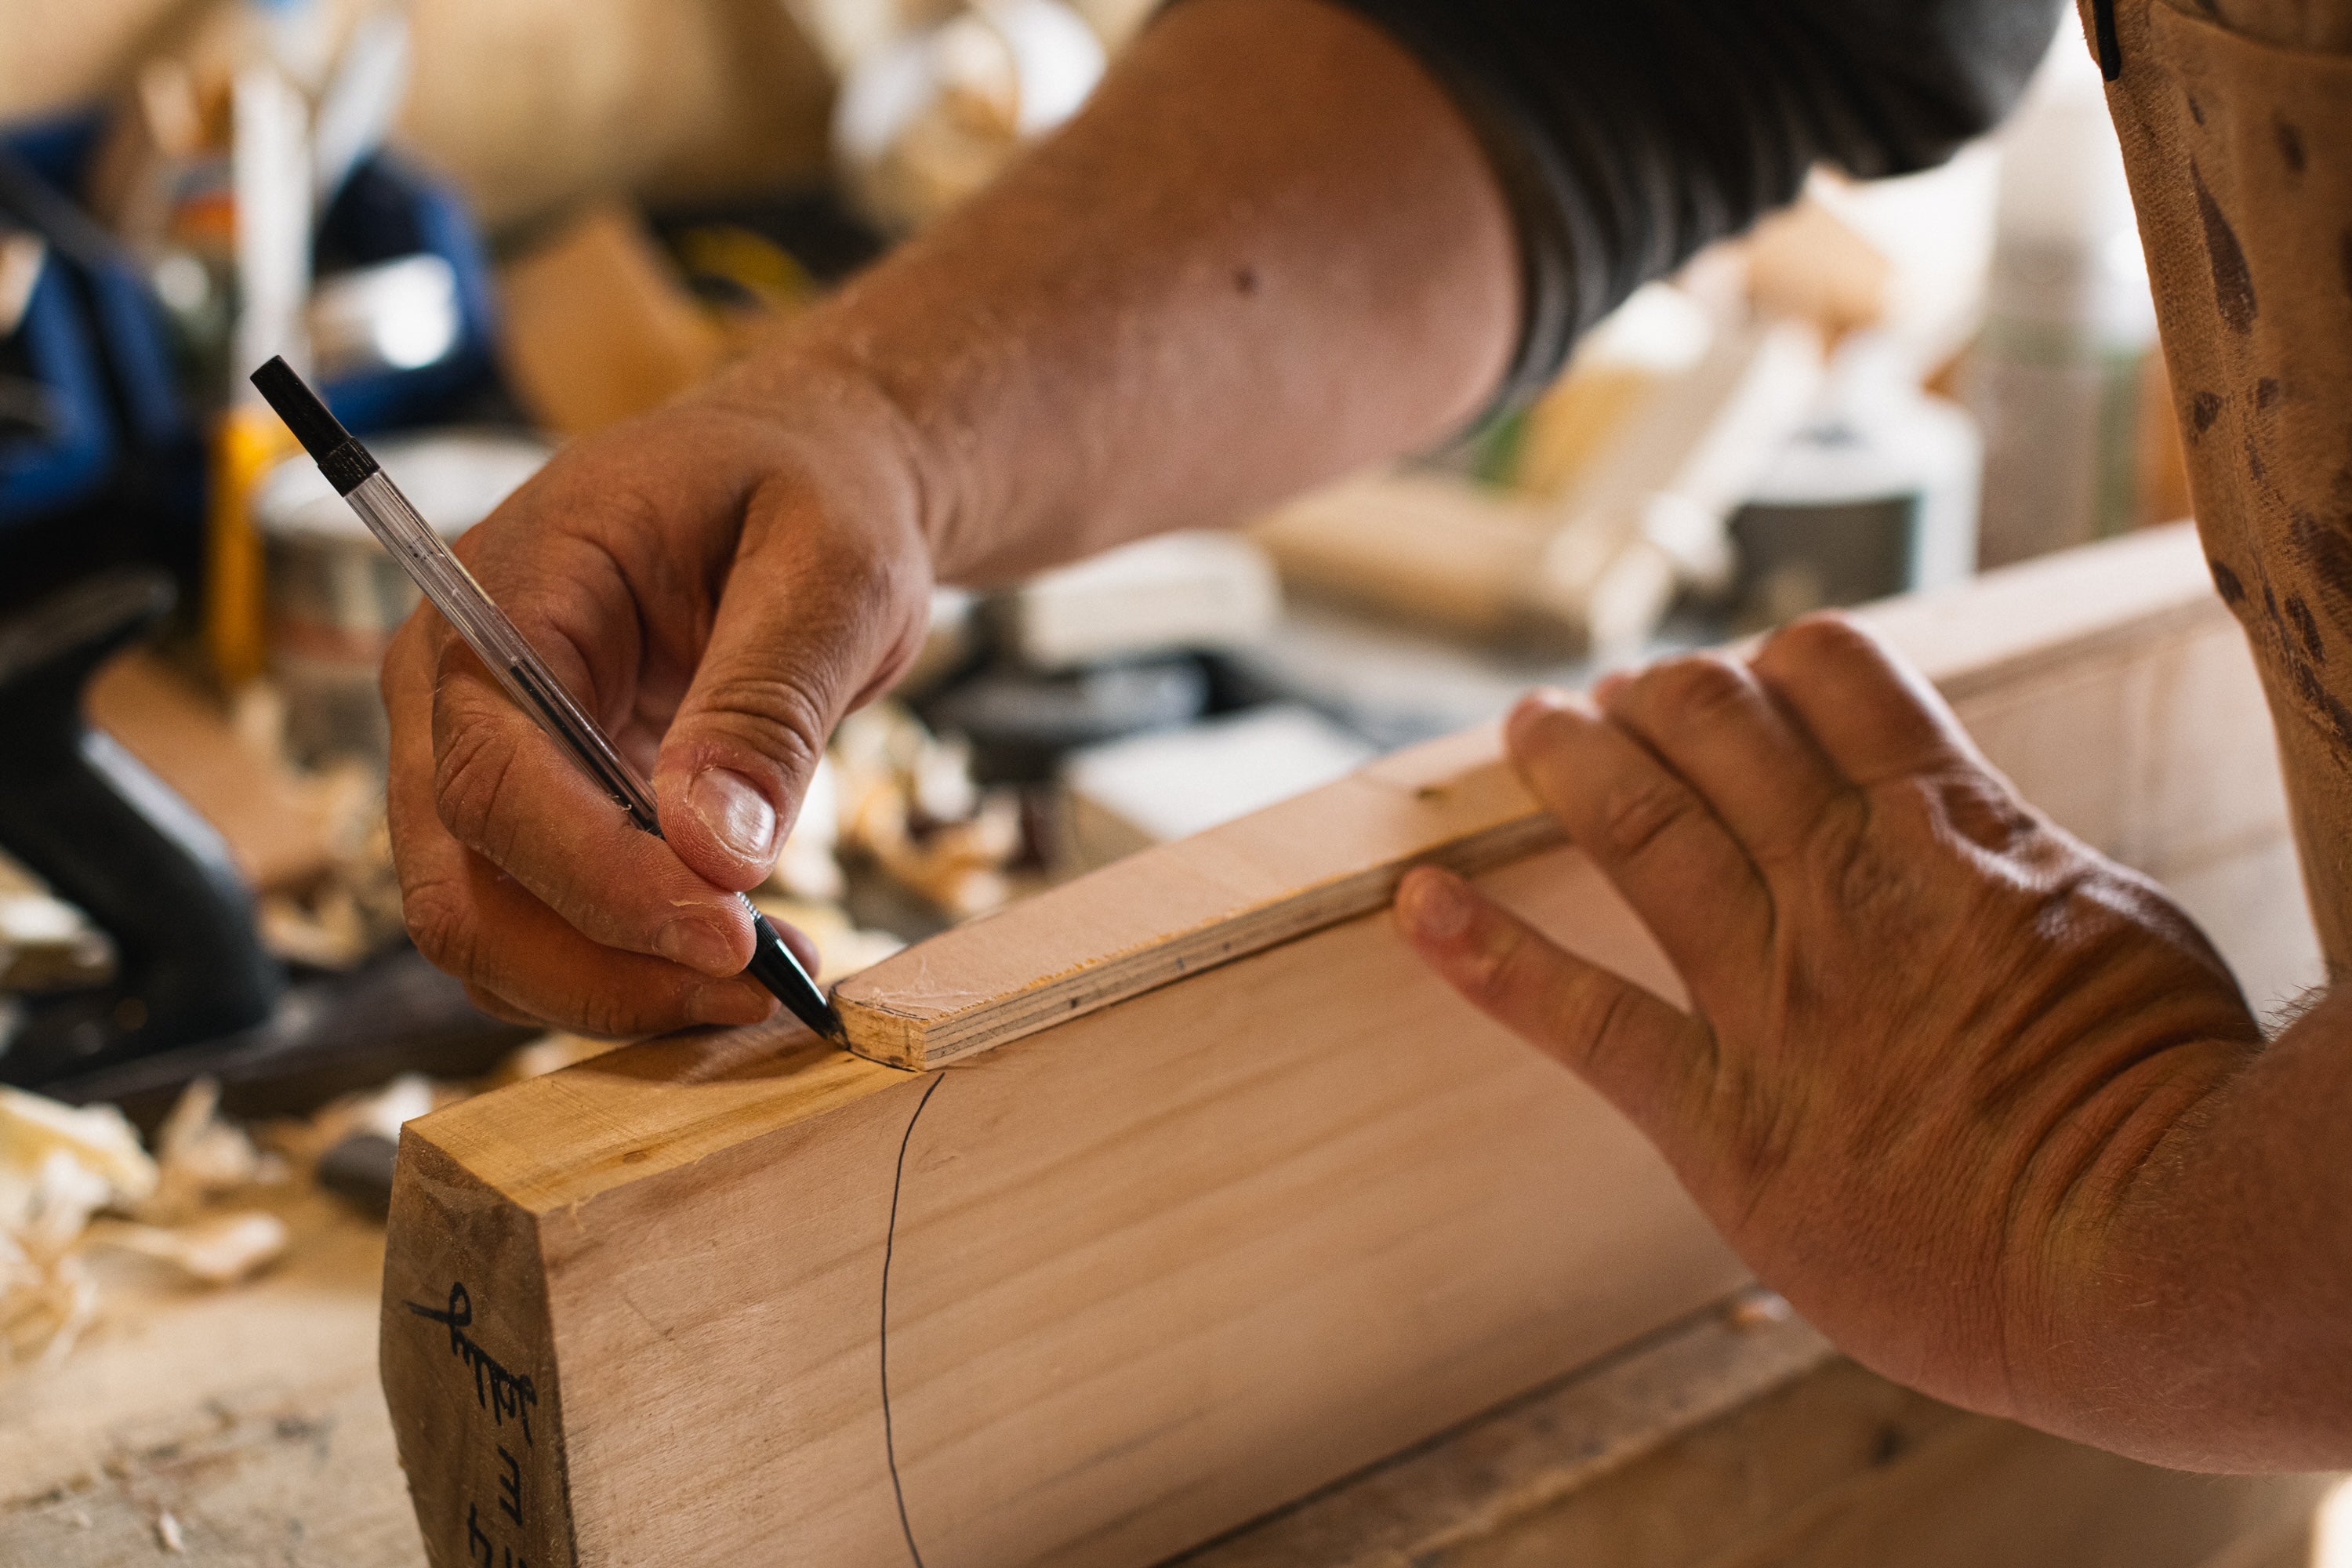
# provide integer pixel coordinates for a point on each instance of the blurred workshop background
(492, 225)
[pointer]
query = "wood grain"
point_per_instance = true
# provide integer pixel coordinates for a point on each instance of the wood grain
(1283, 1221)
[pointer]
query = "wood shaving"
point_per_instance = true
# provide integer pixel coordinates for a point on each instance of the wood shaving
(808, 867)
(218, 1250)
(199, 1156)
(380, 1111)
(59, 1166)
(351, 912)
(45, 1305)
(96, 1136)
(908, 801)
(62, 1166)
(46, 944)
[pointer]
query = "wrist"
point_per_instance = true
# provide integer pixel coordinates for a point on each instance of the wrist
(831, 414)
(2104, 1263)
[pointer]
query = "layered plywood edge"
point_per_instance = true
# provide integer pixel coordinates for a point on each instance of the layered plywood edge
(1219, 1198)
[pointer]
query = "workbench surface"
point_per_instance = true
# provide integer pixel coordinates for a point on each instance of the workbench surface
(247, 1422)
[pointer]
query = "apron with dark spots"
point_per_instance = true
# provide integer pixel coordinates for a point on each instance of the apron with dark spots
(2236, 118)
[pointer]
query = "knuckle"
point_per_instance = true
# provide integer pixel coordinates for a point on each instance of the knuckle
(1962, 811)
(1693, 689)
(1541, 735)
(603, 548)
(1500, 968)
(1855, 855)
(1976, 809)
(469, 775)
(606, 1016)
(440, 925)
(776, 715)
(1766, 1137)
(1595, 1021)
(1863, 877)
(1817, 639)
(1635, 818)
(1837, 835)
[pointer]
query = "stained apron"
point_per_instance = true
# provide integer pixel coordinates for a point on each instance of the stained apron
(2236, 120)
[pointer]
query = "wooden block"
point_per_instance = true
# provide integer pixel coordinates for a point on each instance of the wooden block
(1308, 863)
(1324, 1287)
(595, 326)
(1189, 1252)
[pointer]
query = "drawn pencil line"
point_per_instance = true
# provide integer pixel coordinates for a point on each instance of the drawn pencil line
(890, 1247)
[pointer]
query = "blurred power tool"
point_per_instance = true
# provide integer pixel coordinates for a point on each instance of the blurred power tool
(105, 835)
(194, 993)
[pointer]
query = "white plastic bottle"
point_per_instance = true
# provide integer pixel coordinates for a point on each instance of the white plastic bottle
(2056, 376)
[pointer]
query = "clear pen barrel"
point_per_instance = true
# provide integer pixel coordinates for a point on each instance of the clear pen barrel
(419, 547)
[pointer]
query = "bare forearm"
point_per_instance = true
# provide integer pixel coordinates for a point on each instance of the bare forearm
(1269, 251)
(2203, 1321)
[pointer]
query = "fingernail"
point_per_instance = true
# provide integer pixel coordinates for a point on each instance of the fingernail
(698, 944)
(1438, 906)
(737, 814)
(1546, 699)
(729, 1003)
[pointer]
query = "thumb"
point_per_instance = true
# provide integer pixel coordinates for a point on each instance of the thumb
(1647, 1057)
(810, 624)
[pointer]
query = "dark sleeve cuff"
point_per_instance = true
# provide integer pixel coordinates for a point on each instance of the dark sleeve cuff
(1627, 134)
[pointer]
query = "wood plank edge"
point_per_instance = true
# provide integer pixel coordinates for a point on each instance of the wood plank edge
(897, 1039)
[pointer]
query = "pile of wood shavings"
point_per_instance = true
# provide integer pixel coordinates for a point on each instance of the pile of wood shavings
(75, 1180)
(905, 798)
(350, 912)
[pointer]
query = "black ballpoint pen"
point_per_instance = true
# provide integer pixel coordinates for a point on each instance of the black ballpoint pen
(421, 551)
